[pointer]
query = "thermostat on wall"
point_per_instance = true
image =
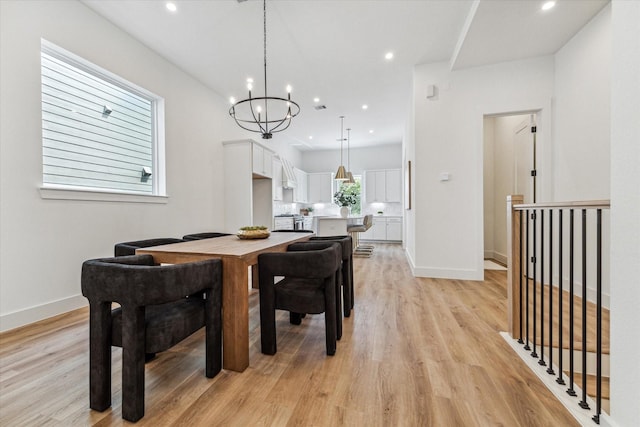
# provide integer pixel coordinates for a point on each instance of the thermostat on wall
(445, 176)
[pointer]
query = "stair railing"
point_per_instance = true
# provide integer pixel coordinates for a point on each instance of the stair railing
(536, 246)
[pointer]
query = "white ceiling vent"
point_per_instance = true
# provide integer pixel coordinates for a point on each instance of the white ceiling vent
(320, 107)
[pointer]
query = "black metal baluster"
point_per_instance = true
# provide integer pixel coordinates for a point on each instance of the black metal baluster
(596, 417)
(550, 370)
(520, 273)
(583, 403)
(541, 362)
(560, 380)
(535, 290)
(526, 346)
(571, 391)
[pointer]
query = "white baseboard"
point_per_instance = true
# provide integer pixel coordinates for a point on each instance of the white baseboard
(606, 421)
(448, 273)
(40, 312)
(502, 258)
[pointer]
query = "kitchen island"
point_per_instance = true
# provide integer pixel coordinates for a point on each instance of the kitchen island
(334, 225)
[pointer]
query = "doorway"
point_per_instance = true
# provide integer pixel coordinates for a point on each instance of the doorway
(509, 168)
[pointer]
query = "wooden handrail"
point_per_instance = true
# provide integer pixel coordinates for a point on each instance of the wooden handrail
(588, 204)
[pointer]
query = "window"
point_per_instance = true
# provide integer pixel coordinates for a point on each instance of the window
(100, 133)
(354, 189)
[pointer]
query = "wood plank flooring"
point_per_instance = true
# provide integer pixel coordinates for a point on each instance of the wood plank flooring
(415, 352)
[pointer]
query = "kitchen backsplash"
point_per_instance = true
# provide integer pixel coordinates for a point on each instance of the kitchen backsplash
(388, 209)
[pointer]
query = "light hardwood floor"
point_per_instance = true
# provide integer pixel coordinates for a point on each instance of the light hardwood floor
(415, 352)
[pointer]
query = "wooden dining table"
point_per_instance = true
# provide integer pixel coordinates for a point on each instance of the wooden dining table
(237, 257)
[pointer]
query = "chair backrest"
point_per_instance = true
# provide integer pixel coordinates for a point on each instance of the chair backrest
(206, 235)
(129, 248)
(367, 221)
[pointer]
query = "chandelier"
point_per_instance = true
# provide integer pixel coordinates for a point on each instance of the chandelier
(252, 114)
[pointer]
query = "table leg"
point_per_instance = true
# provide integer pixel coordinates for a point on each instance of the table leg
(235, 314)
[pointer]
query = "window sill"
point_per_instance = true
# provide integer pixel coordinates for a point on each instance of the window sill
(67, 193)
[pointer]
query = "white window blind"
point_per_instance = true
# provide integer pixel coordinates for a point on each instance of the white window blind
(97, 132)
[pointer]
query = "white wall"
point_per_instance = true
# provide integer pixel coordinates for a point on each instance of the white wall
(449, 138)
(43, 242)
(581, 137)
(377, 157)
(625, 215)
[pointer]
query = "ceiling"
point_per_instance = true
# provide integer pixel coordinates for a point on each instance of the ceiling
(334, 50)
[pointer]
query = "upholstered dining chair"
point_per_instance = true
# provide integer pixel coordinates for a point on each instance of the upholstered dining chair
(153, 316)
(129, 248)
(311, 284)
(347, 269)
(200, 236)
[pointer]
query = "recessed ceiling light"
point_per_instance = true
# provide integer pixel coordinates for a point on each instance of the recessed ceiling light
(548, 5)
(388, 56)
(310, 136)
(316, 99)
(370, 130)
(365, 106)
(171, 6)
(232, 100)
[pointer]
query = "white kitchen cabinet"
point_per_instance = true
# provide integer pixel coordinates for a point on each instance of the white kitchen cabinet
(383, 185)
(262, 160)
(248, 198)
(320, 187)
(384, 229)
(379, 229)
(276, 180)
(394, 229)
(300, 192)
(393, 185)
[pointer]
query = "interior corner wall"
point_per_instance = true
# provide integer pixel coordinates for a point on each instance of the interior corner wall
(44, 242)
(448, 138)
(582, 107)
(625, 212)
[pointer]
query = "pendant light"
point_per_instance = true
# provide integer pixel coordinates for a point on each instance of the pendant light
(341, 174)
(350, 179)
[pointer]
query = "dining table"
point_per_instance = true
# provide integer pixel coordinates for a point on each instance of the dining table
(238, 257)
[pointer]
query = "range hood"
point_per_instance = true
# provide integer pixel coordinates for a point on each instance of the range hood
(288, 177)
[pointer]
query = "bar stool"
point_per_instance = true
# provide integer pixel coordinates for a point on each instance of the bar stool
(354, 230)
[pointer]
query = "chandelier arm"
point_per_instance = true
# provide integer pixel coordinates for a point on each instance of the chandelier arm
(285, 120)
(255, 119)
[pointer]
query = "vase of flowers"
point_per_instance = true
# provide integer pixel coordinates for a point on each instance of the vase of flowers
(345, 200)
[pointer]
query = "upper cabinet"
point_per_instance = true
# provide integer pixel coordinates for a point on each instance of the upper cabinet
(320, 187)
(300, 192)
(383, 185)
(262, 159)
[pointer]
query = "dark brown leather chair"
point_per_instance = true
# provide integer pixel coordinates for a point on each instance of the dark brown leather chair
(311, 284)
(154, 315)
(200, 236)
(129, 248)
(347, 269)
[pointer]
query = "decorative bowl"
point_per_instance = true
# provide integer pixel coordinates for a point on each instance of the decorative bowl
(255, 232)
